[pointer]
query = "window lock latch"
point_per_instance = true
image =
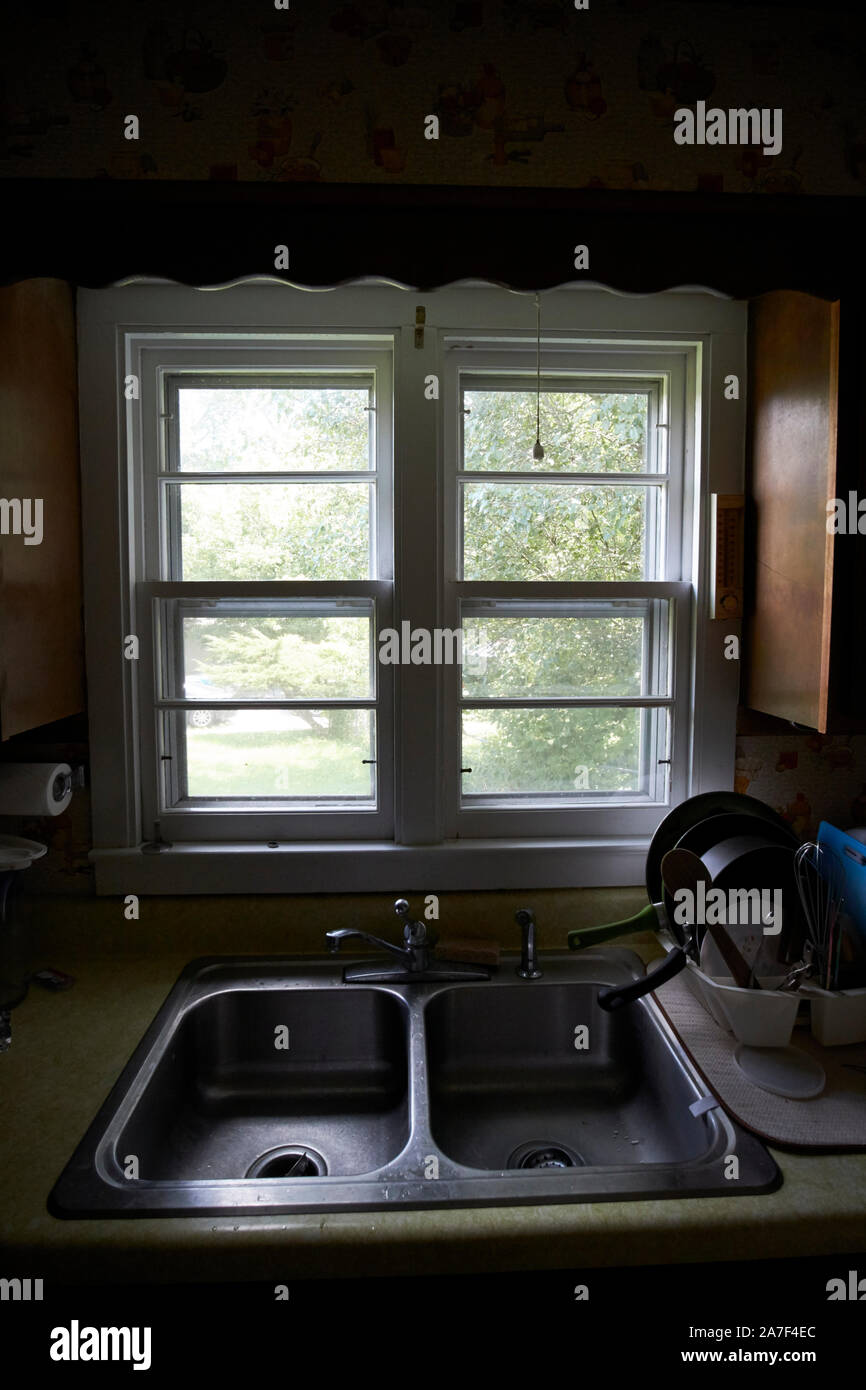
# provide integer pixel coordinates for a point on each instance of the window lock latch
(157, 844)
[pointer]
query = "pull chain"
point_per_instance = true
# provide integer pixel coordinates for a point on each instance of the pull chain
(537, 450)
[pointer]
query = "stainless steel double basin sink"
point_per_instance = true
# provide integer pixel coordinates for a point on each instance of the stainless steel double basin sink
(269, 1085)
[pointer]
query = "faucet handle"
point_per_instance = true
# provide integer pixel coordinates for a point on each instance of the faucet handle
(411, 934)
(414, 933)
(528, 967)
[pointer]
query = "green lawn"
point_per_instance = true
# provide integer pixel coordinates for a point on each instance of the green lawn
(221, 762)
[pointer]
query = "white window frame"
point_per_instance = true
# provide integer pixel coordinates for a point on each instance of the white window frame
(666, 370)
(701, 331)
(158, 367)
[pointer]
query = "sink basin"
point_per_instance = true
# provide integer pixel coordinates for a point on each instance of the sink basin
(269, 1085)
(505, 1074)
(222, 1091)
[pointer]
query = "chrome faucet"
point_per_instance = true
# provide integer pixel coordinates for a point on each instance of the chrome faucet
(528, 967)
(414, 953)
(414, 958)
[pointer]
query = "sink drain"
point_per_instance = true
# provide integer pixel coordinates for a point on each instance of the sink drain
(288, 1161)
(544, 1155)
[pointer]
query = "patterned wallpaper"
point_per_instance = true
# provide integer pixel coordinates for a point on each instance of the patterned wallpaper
(807, 778)
(528, 92)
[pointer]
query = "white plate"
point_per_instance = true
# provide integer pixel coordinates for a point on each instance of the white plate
(16, 853)
(783, 1071)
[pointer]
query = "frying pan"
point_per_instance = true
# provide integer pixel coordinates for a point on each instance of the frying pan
(691, 813)
(744, 862)
(761, 831)
(715, 829)
(751, 817)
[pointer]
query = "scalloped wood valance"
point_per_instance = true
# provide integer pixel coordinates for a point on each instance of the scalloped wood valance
(94, 233)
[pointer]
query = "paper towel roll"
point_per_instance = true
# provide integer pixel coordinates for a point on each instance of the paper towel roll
(34, 789)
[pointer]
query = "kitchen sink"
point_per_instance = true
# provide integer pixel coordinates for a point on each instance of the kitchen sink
(269, 1085)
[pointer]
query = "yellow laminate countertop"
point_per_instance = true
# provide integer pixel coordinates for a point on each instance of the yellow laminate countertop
(68, 1049)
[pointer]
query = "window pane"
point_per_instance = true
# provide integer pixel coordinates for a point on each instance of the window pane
(272, 429)
(274, 657)
(272, 530)
(624, 652)
(581, 431)
(554, 531)
(305, 753)
(564, 753)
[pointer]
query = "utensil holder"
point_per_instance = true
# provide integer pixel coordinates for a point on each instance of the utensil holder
(838, 1016)
(758, 1017)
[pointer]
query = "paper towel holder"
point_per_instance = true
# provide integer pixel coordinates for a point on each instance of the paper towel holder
(67, 781)
(61, 785)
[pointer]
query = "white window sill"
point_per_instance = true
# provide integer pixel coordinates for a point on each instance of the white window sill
(371, 867)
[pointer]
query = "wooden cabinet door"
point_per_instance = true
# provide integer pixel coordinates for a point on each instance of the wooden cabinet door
(41, 637)
(791, 477)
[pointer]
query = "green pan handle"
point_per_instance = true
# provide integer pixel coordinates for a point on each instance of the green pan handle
(648, 919)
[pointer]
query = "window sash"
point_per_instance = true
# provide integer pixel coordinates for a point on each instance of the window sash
(229, 355)
(656, 643)
(171, 676)
(492, 816)
(249, 364)
(662, 373)
(262, 819)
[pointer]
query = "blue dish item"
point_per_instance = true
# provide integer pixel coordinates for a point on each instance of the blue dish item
(853, 855)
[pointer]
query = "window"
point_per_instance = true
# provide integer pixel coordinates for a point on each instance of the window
(299, 478)
(267, 544)
(567, 582)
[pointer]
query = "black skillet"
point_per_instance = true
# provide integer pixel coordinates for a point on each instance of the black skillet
(743, 862)
(680, 830)
(753, 818)
(709, 833)
(697, 809)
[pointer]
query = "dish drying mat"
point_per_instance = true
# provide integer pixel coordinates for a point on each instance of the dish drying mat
(834, 1120)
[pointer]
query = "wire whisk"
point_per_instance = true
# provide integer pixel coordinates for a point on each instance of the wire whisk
(820, 876)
